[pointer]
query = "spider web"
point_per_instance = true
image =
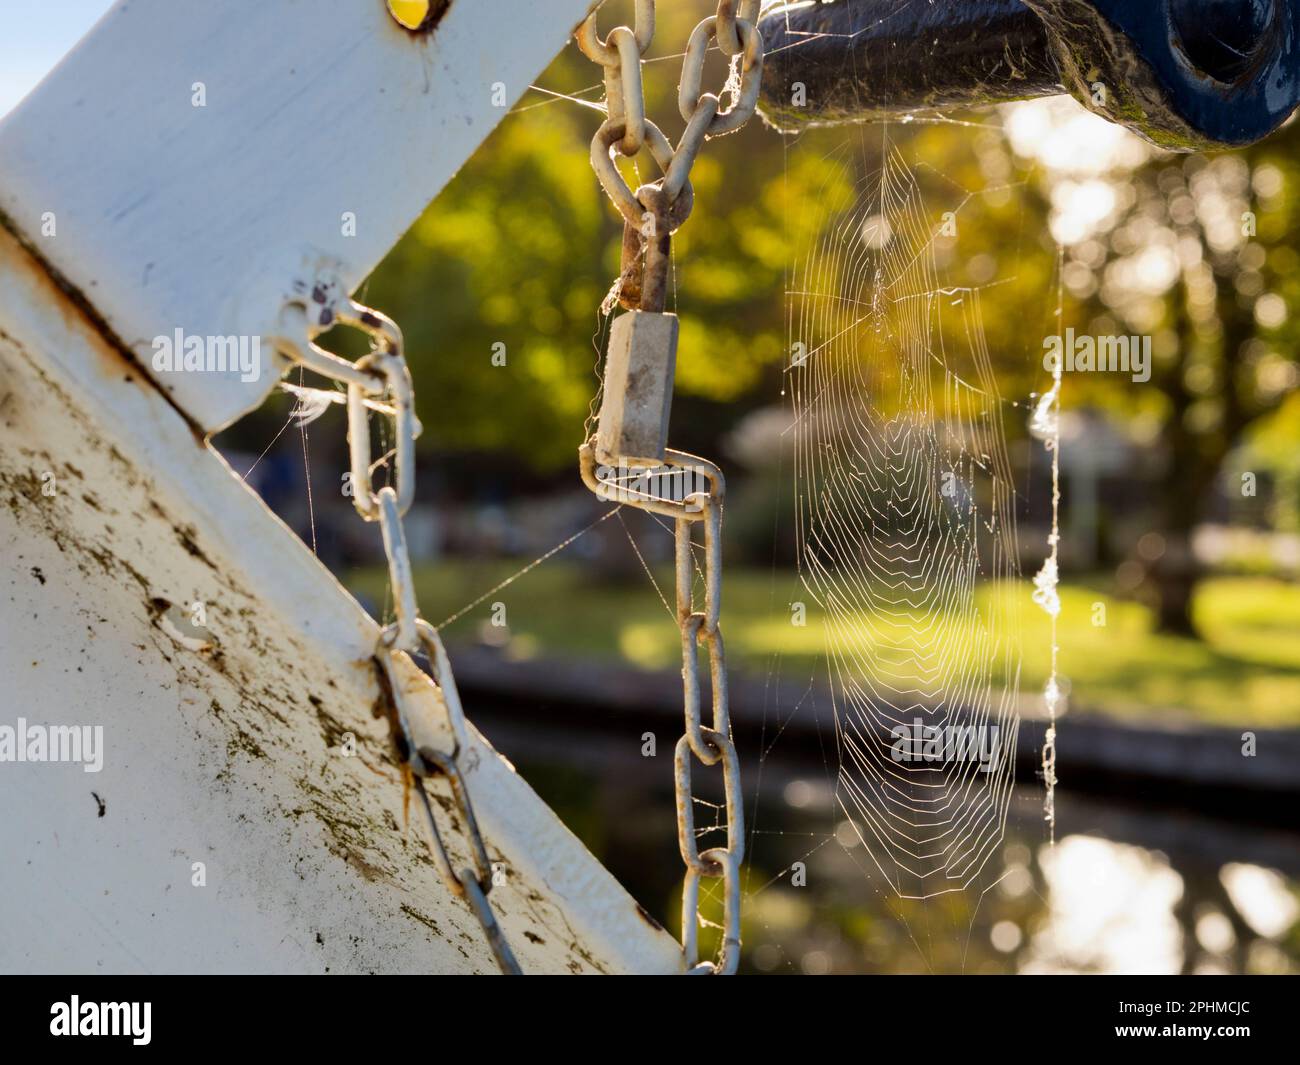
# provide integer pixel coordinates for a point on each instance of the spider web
(906, 536)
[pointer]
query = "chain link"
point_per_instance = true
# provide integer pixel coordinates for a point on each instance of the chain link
(689, 97)
(710, 745)
(381, 380)
(627, 130)
(728, 41)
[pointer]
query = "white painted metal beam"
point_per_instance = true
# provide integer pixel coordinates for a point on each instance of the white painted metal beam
(169, 215)
(223, 747)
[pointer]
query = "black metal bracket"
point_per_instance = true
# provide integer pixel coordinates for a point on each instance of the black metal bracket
(1185, 74)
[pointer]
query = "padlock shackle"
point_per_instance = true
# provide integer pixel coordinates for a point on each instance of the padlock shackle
(658, 250)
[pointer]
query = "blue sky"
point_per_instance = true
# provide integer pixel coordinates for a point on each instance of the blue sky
(37, 34)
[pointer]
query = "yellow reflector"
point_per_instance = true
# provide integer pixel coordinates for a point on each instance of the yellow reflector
(410, 13)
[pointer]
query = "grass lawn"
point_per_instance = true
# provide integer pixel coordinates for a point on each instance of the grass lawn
(1246, 671)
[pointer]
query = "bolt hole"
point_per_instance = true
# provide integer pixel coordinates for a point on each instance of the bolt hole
(1221, 38)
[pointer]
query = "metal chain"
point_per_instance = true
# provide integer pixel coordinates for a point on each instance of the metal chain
(382, 381)
(710, 744)
(626, 128)
(667, 203)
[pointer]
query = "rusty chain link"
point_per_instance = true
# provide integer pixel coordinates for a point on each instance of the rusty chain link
(627, 129)
(650, 216)
(381, 380)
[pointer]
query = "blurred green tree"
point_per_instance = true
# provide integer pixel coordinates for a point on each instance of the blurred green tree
(1194, 251)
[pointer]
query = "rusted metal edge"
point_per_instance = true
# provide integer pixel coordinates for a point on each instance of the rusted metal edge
(93, 317)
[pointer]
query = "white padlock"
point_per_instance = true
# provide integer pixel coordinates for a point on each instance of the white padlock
(638, 390)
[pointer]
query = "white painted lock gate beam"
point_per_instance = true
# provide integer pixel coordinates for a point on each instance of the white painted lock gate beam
(226, 830)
